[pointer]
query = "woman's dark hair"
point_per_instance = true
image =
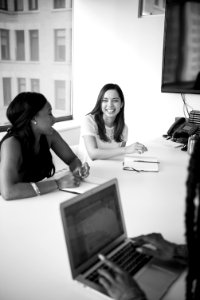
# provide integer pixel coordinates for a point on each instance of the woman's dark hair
(98, 114)
(192, 220)
(20, 112)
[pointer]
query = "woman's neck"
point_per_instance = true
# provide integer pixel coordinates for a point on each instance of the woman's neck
(109, 122)
(37, 143)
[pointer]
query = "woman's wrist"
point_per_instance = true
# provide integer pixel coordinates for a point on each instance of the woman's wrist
(35, 188)
(180, 252)
(56, 184)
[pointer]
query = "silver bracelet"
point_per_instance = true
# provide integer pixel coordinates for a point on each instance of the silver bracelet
(36, 189)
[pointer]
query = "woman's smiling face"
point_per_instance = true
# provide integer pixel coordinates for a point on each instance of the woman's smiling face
(111, 104)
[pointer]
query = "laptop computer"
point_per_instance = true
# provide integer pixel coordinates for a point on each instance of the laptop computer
(93, 223)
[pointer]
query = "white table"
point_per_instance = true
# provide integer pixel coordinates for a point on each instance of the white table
(33, 255)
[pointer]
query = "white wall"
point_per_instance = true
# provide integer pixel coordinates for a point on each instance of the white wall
(111, 44)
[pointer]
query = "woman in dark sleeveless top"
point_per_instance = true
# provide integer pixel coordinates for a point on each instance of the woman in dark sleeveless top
(25, 157)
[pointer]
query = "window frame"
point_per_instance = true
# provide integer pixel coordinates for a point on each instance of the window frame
(32, 40)
(18, 5)
(67, 114)
(32, 5)
(4, 5)
(20, 46)
(7, 46)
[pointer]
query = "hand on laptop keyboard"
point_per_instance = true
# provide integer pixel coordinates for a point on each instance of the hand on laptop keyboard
(119, 284)
(155, 245)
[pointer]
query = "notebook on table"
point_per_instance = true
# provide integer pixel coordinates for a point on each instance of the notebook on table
(141, 163)
(93, 223)
(85, 185)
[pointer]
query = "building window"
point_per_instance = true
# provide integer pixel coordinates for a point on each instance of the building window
(32, 4)
(20, 47)
(60, 94)
(19, 5)
(35, 85)
(60, 47)
(5, 48)
(34, 54)
(34, 45)
(59, 4)
(21, 83)
(6, 91)
(3, 4)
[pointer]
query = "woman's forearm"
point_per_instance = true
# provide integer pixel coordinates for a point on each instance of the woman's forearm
(27, 190)
(106, 153)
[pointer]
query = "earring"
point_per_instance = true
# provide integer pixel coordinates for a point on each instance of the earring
(34, 122)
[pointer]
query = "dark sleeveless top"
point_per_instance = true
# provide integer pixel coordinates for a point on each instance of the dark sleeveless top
(35, 167)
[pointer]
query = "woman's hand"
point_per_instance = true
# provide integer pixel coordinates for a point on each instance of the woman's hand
(136, 147)
(68, 181)
(82, 171)
(156, 246)
(119, 284)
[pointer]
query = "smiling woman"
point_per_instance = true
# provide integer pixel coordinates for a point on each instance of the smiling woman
(25, 156)
(104, 133)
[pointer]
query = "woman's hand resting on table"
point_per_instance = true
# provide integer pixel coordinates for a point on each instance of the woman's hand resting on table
(73, 179)
(68, 181)
(136, 147)
(119, 284)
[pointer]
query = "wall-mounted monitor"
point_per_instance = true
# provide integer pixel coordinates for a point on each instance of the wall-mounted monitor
(181, 47)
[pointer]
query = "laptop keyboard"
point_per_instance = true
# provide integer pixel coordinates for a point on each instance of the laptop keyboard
(127, 259)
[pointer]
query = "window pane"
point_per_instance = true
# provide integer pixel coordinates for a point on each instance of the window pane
(20, 50)
(60, 94)
(34, 45)
(6, 91)
(35, 85)
(33, 4)
(21, 82)
(60, 47)
(19, 5)
(59, 3)
(5, 49)
(3, 4)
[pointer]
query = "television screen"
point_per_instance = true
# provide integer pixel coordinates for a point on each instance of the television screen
(181, 47)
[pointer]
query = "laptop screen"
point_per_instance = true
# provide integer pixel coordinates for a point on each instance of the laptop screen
(93, 223)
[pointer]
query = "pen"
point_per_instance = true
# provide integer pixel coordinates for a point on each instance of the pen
(101, 257)
(72, 192)
(145, 161)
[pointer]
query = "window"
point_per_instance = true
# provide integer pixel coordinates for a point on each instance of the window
(21, 83)
(35, 56)
(19, 5)
(20, 48)
(6, 91)
(3, 4)
(60, 94)
(34, 45)
(35, 85)
(59, 3)
(5, 48)
(32, 4)
(60, 47)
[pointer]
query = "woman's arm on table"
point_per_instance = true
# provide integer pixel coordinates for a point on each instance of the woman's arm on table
(11, 184)
(95, 153)
(64, 152)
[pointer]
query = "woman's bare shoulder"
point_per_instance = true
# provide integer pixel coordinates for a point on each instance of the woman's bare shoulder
(11, 144)
(52, 138)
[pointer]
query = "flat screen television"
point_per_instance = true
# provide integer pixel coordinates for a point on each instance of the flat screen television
(181, 47)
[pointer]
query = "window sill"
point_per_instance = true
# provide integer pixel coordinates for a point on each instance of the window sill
(66, 125)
